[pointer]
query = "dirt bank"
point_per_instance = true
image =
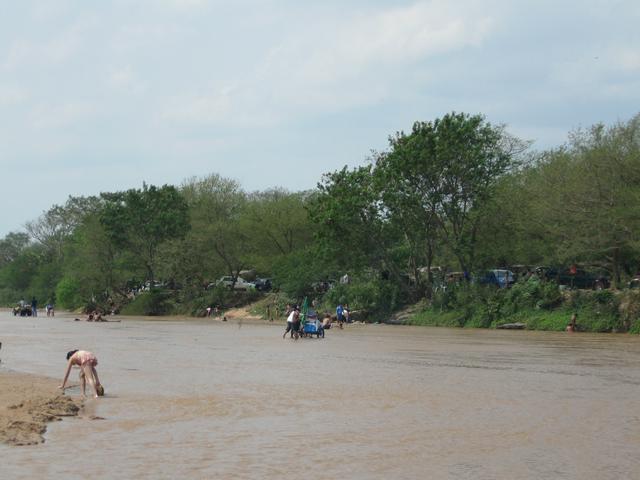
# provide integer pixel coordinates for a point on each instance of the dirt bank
(27, 404)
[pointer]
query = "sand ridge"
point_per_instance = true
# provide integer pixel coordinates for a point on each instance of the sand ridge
(27, 404)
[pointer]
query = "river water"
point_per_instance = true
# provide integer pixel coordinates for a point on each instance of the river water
(206, 399)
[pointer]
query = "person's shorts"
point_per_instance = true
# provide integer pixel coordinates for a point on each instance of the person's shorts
(295, 326)
(288, 327)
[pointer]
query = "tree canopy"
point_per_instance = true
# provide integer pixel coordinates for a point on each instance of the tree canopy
(455, 193)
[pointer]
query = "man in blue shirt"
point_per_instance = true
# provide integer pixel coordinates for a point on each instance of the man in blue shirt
(340, 315)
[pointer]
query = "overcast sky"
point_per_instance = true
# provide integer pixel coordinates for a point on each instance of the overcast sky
(101, 96)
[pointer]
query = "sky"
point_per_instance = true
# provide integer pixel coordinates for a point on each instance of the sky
(103, 96)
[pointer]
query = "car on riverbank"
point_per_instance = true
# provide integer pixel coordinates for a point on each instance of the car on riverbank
(498, 277)
(262, 284)
(575, 277)
(238, 284)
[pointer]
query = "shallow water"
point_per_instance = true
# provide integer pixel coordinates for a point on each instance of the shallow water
(200, 399)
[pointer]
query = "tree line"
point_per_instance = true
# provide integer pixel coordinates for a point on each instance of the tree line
(457, 193)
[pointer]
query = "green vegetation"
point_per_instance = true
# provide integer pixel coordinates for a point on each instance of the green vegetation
(539, 305)
(454, 194)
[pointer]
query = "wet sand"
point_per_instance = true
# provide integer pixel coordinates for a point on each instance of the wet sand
(207, 399)
(27, 404)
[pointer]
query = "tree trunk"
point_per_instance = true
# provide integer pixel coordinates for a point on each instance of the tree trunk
(429, 287)
(616, 268)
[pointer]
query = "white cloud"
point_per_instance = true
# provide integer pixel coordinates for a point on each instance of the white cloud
(207, 108)
(337, 63)
(176, 85)
(62, 115)
(12, 95)
(185, 4)
(58, 48)
(628, 59)
(125, 79)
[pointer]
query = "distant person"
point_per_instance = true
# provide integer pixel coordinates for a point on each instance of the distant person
(292, 320)
(34, 307)
(50, 311)
(326, 321)
(346, 313)
(573, 326)
(340, 314)
(208, 311)
(295, 327)
(87, 362)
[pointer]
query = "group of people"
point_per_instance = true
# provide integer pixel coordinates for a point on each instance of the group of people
(31, 308)
(94, 316)
(294, 321)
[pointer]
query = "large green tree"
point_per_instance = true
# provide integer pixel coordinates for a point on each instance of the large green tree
(11, 246)
(583, 198)
(436, 182)
(279, 223)
(141, 220)
(220, 232)
(352, 231)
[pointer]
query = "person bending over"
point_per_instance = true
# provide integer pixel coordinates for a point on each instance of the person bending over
(87, 362)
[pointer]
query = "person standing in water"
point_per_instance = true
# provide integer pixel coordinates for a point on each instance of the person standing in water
(294, 316)
(87, 362)
(340, 314)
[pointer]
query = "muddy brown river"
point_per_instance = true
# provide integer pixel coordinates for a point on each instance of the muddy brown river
(206, 399)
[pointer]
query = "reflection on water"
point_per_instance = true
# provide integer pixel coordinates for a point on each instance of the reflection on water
(208, 400)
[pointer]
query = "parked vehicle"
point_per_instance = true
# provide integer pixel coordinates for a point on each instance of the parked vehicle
(574, 277)
(148, 285)
(239, 284)
(454, 277)
(22, 310)
(263, 284)
(497, 277)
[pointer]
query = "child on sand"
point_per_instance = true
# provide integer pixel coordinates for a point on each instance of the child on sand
(87, 362)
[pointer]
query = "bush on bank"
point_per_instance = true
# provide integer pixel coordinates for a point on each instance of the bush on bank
(186, 302)
(539, 305)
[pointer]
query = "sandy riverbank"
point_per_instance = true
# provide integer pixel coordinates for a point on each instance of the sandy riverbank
(27, 404)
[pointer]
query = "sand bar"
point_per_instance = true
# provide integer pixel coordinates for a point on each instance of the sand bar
(27, 404)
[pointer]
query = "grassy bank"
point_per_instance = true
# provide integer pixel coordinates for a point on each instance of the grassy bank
(186, 302)
(554, 320)
(539, 306)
